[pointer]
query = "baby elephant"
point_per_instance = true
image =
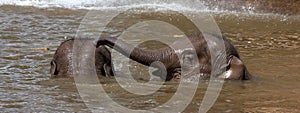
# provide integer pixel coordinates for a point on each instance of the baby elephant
(61, 65)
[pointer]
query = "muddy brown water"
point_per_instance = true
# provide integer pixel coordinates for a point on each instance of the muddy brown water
(268, 44)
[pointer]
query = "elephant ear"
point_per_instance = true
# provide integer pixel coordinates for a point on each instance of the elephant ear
(107, 71)
(53, 69)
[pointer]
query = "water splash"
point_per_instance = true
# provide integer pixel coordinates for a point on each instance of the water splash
(233, 6)
(105, 4)
(187, 6)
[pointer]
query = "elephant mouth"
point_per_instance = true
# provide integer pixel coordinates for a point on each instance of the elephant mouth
(228, 70)
(227, 74)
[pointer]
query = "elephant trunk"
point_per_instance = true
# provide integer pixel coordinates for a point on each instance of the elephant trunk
(145, 57)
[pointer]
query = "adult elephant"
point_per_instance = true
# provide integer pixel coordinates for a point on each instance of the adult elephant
(168, 60)
(61, 64)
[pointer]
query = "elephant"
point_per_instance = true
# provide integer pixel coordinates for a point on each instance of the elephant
(61, 64)
(167, 59)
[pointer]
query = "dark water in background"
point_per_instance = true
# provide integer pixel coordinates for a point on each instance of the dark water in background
(269, 45)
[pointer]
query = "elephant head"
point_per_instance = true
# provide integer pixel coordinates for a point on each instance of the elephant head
(61, 64)
(168, 60)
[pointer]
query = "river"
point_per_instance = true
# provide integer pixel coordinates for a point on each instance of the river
(268, 44)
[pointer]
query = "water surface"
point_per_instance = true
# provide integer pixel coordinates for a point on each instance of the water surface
(268, 44)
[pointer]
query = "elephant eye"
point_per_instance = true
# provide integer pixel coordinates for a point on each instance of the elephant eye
(227, 67)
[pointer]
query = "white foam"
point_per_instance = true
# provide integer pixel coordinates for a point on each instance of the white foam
(193, 5)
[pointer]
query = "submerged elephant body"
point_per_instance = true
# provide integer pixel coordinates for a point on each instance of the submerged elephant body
(61, 64)
(171, 61)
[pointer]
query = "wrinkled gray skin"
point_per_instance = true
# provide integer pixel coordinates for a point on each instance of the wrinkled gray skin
(169, 58)
(61, 64)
